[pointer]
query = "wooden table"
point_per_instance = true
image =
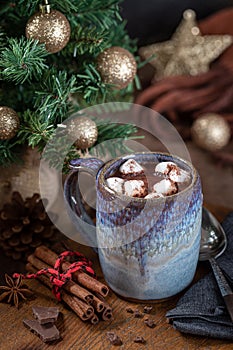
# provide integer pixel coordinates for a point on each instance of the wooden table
(77, 335)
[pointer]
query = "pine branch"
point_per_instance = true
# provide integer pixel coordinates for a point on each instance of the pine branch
(23, 60)
(9, 153)
(91, 85)
(53, 100)
(33, 131)
(88, 41)
(45, 88)
(103, 13)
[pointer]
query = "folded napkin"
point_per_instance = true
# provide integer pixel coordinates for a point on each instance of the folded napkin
(202, 309)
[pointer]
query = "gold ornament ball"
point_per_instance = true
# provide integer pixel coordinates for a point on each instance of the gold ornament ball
(51, 29)
(116, 66)
(211, 132)
(9, 123)
(85, 131)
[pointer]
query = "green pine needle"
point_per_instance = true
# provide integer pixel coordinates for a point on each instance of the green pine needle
(53, 100)
(23, 60)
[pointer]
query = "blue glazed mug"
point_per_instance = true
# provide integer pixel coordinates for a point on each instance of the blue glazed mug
(148, 248)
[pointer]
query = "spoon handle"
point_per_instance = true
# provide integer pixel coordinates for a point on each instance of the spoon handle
(224, 287)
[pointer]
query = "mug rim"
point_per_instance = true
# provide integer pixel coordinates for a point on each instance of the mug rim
(102, 180)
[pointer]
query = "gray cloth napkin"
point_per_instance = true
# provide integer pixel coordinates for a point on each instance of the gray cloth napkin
(201, 310)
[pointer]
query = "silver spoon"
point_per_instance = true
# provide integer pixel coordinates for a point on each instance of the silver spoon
(213, 244)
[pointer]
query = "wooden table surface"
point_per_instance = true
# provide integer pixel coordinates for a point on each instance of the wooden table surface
(77, 335)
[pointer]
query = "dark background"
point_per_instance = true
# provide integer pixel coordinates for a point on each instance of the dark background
(156, 20)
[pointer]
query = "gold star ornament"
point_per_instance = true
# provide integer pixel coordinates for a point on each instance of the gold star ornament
(187, 52)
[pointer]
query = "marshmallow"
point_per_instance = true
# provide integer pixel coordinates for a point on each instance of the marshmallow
(154, 195)
(165, 187)
(131, 167)
(135, 188)
(164, 167)
(179, 175)
(116, 184)
(173, 171)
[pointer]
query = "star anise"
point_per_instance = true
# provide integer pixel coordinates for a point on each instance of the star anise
(14, 290)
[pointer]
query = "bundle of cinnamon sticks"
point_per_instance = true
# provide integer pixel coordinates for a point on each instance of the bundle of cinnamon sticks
(83, 294)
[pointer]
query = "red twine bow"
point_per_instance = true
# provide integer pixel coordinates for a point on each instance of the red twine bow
(58, 278)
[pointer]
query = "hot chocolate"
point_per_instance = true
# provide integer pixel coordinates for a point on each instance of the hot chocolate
(149, 180)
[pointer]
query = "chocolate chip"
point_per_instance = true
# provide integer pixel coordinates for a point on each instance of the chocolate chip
(129, 310)
(139, 339)
(138, 314)
(114, 338)
(147, 309)
(150, 323)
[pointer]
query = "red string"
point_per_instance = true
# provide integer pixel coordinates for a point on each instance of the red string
(59, 278)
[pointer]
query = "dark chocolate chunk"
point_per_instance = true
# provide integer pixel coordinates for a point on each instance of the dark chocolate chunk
(47, 332)
(147, 309)
(129, 310)
(45, 314)
(150, 323)
(138, 314)
(139, 339)
(114, 338)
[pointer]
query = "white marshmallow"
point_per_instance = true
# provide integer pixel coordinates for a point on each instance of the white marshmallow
(165, 187)
(154, 195)
(131, 167)
(135, 188)
(173, 171)
(164, 167)
(179, 175)
(116, 184)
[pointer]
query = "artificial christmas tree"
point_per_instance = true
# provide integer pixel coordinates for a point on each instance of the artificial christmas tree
(48, 60)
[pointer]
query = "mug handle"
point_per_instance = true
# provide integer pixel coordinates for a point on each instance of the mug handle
(73, 198)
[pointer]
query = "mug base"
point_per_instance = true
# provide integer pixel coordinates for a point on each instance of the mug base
(147, 301)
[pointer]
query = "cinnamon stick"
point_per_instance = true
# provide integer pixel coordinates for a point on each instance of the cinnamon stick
(94, 319)
(106, 313)
(84, 279)
(71, 301)
(70, 286)
(97, 304)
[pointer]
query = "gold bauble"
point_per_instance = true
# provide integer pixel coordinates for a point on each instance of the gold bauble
(116, 66)
(84, 130)
(9, 123)
(211, 132)
(51, 29)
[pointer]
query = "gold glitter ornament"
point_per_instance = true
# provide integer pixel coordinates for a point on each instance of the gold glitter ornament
(50, 27)
(211, 132)
(9, 123)
(116, 66)
(84, 130)
(187, 52)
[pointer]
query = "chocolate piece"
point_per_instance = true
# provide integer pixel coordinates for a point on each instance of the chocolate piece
(129, 310)
(114, 338)
(45, 314)
(139, 339)
(138, 314)
(150, 323)
(147, 309)
(46, 333)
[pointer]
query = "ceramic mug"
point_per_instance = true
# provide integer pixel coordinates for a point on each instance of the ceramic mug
(148, 248)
